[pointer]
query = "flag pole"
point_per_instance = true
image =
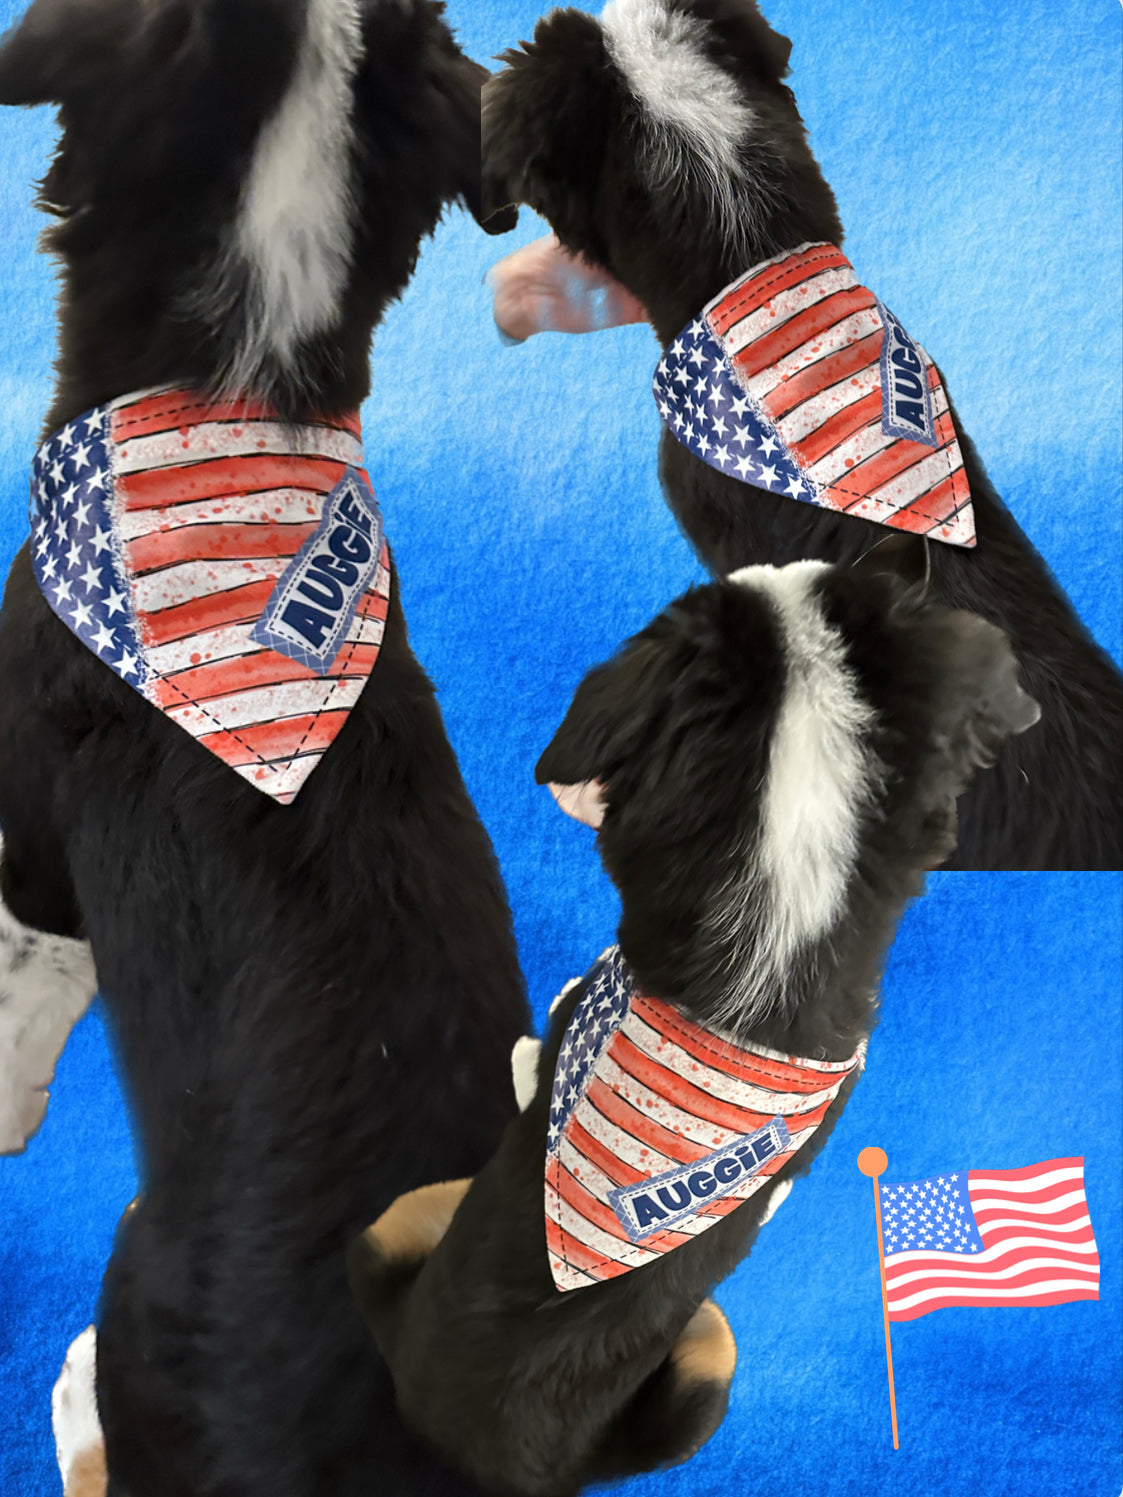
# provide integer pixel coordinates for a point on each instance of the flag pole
(873, 1162)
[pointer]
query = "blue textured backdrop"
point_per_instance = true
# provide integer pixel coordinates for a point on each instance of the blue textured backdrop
(975, 151)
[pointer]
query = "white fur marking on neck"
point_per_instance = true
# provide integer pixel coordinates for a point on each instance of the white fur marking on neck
(819, 772)
(820, 776)
(295, 228)
(698, 113)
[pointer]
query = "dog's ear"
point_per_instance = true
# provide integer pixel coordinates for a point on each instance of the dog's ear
(605, 723)
(981, 702)
(899, 555)
(545, 124)
(62, 48)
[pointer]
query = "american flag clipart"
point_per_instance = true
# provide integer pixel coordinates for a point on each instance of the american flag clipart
(230, 568)
(796, 379)
(989, 1237)
(658, 1128)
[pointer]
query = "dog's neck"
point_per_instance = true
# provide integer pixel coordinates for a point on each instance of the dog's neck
(821, 1003)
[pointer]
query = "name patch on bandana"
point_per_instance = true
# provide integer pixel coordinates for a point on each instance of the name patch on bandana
(308, 616)
(798, 380)
(669, 1199)
(659, 1128)
(228, 566)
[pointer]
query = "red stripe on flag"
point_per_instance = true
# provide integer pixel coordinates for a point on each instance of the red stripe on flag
(838, 428)
(1031, 1172)
(1051, 1297)
(276, 740)
(802, 328)
(932, 507)
(794, 389)
(586, 1204)
(175, 409)
(643, 1129)
(763, 1071)
(373, 606)
(237, 605)
(891, 462)
(762, 288)
(214, 542)
(688, 1098)
(570, 1250)
(218, 477)
(246, 672)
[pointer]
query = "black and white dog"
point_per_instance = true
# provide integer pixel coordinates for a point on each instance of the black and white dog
(662, 145)
(773, 765)
(313, 1002)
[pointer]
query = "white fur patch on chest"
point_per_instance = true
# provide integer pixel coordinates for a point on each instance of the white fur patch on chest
(295, 229)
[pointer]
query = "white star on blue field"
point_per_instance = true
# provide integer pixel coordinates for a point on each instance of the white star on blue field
(932, 1216)
(707, 410)
(596, 1018)
(74, 553)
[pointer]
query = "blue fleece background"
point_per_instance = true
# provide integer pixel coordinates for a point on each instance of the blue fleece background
(975, 149)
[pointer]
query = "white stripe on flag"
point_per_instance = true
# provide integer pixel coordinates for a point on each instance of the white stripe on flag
(807, 418)
(851, 329)
(988, 1255)
(918, 479)
(563, 1215)
(730, 1089)
(235, 439)
(993, 1275)
(1028, 1186)
(202, 579)
(786, 304)
(268, 704)
(271, 507)
(1026, 1291)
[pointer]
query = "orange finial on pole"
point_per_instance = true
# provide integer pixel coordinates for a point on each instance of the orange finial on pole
(873, 1162)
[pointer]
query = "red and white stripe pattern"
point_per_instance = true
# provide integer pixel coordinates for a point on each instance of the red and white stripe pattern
(207, 504)
(1009, 1237)
(804, 338)
(639, 1092)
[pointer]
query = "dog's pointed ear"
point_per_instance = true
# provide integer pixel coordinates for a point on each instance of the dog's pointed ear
(38, 52)
(901, 555)
(62, 47)
(603, 728)
(984, 702)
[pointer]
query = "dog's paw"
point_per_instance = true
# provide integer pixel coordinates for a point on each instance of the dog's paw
(78, 1440)
(46, 985)
(524, 1069)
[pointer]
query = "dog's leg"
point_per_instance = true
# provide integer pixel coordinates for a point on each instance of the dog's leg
(384, 1261)
(78, 1441)
(680, 1406)
(46, 984)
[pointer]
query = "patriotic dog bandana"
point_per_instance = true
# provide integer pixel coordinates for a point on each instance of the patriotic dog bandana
(798, 380)
(229, 567)
(659, 1128)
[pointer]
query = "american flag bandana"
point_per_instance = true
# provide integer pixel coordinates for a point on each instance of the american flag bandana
(796, 379)
(230, 568)
(989, 1237)
(659, 1128)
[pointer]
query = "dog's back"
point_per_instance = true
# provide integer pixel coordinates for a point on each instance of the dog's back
(312, 1003)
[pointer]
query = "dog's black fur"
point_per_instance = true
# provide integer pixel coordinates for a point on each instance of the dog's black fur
(313, 1005)
(532, 1391)
(563, 134)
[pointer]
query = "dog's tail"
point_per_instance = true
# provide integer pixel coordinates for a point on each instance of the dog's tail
(679, 1407)
(384, 1261)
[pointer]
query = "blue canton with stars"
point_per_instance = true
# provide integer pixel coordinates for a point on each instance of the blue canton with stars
(932, 1216)
(702, 402)
(74, 547)
(599, 1013)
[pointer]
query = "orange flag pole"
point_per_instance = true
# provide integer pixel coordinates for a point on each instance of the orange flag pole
(873, 1162)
